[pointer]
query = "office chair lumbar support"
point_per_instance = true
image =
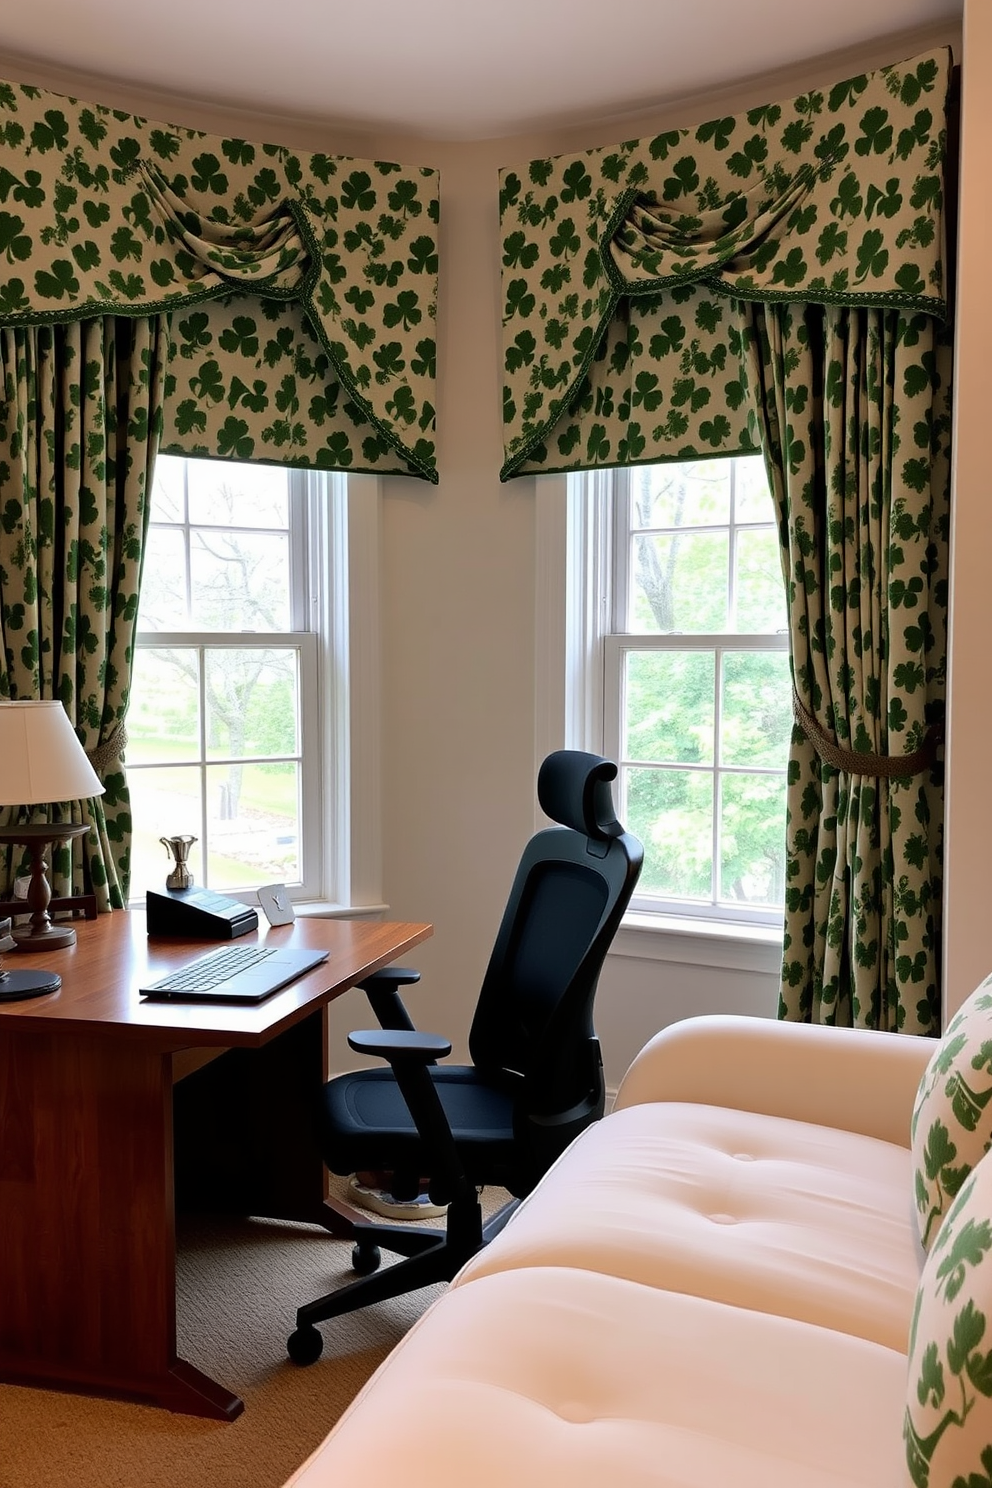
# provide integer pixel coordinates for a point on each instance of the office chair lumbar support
(536, 1077)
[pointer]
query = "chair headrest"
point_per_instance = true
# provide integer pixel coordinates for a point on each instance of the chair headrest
(574, 789)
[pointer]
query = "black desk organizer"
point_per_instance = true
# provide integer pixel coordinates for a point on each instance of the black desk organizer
(198, 914)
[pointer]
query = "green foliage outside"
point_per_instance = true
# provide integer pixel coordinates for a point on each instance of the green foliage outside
(682, 548)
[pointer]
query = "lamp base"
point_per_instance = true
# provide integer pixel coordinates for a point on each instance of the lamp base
(43, 937)
(16, 986)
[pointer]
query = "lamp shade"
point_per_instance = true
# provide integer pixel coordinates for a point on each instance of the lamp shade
(40, 757)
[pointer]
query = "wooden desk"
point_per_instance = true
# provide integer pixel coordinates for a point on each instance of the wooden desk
(89, 1079)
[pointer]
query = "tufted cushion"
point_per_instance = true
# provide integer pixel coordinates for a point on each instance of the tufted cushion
(550, 1377)
(757, 1211)
(952, 1118)
(948, 1422)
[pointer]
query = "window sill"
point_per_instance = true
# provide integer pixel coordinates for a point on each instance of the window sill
(700, 942)
(325, 909)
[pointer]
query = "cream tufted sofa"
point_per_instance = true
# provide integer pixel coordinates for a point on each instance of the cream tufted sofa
(715, 1285)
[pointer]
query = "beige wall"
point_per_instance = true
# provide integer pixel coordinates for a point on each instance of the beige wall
(458, 587)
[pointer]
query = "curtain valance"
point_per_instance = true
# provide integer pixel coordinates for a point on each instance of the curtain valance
(302, 287)
(624, 269)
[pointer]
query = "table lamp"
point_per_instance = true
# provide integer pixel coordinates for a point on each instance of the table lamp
(41, 762)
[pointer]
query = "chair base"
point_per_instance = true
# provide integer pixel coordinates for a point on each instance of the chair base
(431, 1256)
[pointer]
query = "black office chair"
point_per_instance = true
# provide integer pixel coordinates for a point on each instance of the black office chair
(536, 1078)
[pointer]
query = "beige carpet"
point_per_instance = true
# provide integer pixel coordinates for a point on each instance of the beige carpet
(239, 1285)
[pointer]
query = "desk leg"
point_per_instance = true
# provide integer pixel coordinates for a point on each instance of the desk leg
(87, 1224)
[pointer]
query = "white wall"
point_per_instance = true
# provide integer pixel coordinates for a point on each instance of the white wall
(459, 586)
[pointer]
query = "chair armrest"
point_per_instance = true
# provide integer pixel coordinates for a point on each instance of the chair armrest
(384, 1000)
(848, 1078)
(411, 1054)
(397, 1044)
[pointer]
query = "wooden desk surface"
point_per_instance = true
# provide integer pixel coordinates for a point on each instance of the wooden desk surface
(101, 974)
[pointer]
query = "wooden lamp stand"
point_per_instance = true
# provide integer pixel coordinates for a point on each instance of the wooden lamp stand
(40, 934)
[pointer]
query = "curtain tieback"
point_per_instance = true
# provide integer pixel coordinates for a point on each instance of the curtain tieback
(106, 755)
(854, 762)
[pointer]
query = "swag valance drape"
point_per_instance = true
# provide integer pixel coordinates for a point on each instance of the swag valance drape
(626, 270)
(301, 288)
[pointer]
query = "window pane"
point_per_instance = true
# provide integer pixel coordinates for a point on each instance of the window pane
(756, 711)
(669, 706)
(162, 605)
(164, 803)
(163, 723)
(168, 503)
(253, 818)
(679, 583)
(671, 811)
(251, 698)
(239, 580)
(759, 583)
(691, 495)
(752, 839)
(752, 498)
(227, 494)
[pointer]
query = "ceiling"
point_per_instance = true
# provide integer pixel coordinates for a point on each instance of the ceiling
(443, 69)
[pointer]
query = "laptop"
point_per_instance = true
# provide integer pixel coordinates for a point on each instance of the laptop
(233, 974)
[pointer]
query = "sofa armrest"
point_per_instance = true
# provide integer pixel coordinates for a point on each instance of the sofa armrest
(847, 1078)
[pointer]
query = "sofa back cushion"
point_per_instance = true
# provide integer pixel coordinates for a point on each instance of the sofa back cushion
(948, 1422)
(952, 1117)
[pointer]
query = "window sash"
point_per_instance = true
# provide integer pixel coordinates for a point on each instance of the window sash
(603, 503)
(616, 648)
(333, 536)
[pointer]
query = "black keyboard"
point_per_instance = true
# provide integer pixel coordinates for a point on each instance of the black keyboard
(208, 971)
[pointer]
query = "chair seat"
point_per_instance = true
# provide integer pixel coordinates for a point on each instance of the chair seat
(369, 1124)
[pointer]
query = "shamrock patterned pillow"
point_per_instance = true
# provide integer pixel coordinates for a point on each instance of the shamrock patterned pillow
(952, 1118)
(947, 1428)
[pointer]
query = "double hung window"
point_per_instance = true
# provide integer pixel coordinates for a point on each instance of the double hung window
(224, 721)
(695, 690)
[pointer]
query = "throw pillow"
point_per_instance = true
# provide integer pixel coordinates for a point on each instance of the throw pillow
(948, 1421)
(952, 1117)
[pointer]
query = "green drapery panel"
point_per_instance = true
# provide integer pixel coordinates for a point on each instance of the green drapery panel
(80, 419)
(333, 262)
(625, 270)
(856, 417)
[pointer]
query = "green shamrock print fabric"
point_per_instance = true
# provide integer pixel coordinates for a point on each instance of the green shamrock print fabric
(80, 420)
(952, 1115)
(302, 288)
(947, 1426)
(626, 270)
(250, 380)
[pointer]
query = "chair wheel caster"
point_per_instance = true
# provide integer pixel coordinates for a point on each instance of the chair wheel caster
(305, 1346)
(365, 1258)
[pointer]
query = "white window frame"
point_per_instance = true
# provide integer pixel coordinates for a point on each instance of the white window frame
(334, 568)
(574, 554)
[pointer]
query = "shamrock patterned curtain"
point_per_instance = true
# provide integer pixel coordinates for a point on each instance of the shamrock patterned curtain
(80, 417)
(775, 282)
(302, 288)
(627, 271)
(856, 424)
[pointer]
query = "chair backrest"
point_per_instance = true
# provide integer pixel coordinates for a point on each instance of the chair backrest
(533, 1026)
